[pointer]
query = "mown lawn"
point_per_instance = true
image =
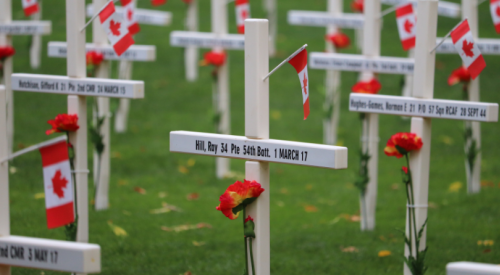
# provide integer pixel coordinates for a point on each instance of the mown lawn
(302, 242)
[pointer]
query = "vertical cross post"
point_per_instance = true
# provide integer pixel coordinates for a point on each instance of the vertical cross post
(423, 88)
(75, 20)
(191, 52)
(221, 87)
(257, 127)
(36, 42)
(272, 14)
(4, 177)
(102, 165)
(121, 119)
(369, 137)
(332, 82)
(6, 40)
(469, 11)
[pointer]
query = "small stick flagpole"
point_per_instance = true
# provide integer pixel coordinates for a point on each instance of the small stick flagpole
(97, 14)
(389, 10)
(447, 35)
(33, 148)
(284, 61)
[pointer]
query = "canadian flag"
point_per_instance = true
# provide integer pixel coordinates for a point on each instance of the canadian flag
(495, 13)
(117, 32)
(242, 13)
(299, 62)
(130, 20)
(406, 21)
(59, 196)
(468, 50)
(30, 7)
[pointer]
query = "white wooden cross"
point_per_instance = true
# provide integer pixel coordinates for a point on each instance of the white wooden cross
(9, 28)
(487, 47)
(134, 53)
(255, 146)
(446, 9)
(218, 40)
(143, 16)
(368, 63)
(78, 87)
(271, 8)
(36, 41)
(333, 19)
(422, 108)
(30, 252)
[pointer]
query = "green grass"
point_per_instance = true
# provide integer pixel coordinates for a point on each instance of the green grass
(301, 242)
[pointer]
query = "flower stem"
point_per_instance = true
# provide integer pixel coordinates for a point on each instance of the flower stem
(251, 255)
(412, 209)
(245, 238)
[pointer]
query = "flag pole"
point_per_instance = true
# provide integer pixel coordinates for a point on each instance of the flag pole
(387, 11)
(33, 148)
(447, 35)
(284, 61)
(97, 14)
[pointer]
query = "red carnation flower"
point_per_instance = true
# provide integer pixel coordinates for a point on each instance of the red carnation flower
(94, 58)
(357, 6)
(238, 195)
(63, 123)
(372, 86)
(338, 39)
(459, 75)
(402, 143)
(6, 52)
(214, 58)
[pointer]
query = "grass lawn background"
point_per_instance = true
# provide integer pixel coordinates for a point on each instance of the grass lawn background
(302, 242)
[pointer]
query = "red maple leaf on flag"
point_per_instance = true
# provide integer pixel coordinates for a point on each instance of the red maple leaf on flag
(408, 26)
(244, 14)
(467, 48)
(498, 10)
(58, 183)
(114, 27)
(129, 15)
(305, 84)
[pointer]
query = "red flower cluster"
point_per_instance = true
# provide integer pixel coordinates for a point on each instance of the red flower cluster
(6, 52)
(357, 5)
(63, 123)
(459, 75)
(339, 40)
(402, 143)
(158, 2)
(94, 58)
(372, 86)
(214, 58)
(238, 194)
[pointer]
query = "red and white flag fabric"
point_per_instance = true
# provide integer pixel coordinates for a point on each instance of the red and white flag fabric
(59, 195)
(467, 49)
(242, 13)
(495, 13)
(117, 32)
(407, 25)
(30, 7)
(130, 20)
(299, 62)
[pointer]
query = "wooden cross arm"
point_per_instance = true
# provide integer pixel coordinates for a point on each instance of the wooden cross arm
(134, 53)
(26, 27)
(266, 150)
(445, 8)
(323, 19)
(416, 107)
(207, 40)
(360, 63)
(100, 87)
(50, 254)
(469, 268)
(143, 16)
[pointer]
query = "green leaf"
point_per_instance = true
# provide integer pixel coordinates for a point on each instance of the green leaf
(401, 150)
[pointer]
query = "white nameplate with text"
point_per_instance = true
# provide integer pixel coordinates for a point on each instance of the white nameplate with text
(359, 63)
(134, 53)
(447, 9)
(50, 254)
(486, 46)
(322, 19)
(27, 27)
(434, 108)
(101, 87)
(268, 150)
(143, 16)
(207, 40)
